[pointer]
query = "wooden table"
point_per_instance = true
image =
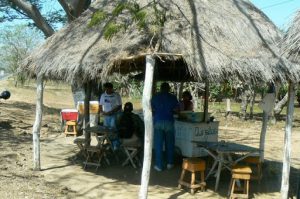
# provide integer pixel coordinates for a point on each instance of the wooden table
(222, 153)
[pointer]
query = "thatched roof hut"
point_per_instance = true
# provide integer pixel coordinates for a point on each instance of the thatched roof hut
(190, 40)
(291, 41)
(218, 40)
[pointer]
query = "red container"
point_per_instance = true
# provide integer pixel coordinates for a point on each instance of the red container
(69, 114)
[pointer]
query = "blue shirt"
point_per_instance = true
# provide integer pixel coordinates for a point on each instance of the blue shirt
(163, 105)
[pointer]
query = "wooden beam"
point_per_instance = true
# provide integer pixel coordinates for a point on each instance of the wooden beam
(147, 95)
(37, 125)
(287, 143)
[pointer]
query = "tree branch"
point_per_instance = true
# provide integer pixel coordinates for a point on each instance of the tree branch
(67, 9)
(35, 15)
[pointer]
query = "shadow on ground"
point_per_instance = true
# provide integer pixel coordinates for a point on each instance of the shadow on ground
(270, 183)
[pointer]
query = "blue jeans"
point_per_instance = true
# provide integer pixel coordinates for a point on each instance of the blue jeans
(164, 133)
(109, 121)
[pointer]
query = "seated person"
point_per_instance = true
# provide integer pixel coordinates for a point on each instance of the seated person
(186, 103)
(130, 126)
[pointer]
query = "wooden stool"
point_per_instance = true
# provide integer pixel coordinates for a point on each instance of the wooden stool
(192, 165)
(71, 125)
(255, 160)
(240, 173)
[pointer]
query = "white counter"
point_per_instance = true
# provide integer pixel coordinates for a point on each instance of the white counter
(186, 132)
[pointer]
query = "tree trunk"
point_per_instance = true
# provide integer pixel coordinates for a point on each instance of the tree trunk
(287, 143)
(244, 104)
(252, 103)
(228, 107)
(34, 14)
(78, 94)
(74, 8)
(87, 134)
(206, 98)
(279, 106)
(37, 125)
(147, 94)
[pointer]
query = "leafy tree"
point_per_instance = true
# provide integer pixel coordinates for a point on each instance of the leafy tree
(16, 42)
(30, 11)
(150, 18)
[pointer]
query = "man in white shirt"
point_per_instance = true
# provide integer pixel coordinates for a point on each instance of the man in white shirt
(110, 105)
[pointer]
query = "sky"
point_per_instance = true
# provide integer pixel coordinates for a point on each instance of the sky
(281, 12)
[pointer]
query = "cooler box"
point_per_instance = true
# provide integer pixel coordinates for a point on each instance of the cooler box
(69, 114)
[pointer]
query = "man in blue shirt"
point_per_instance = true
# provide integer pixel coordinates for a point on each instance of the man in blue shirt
(164, 104)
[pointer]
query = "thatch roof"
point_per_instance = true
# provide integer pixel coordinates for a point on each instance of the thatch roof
(215, 39)
(291, 41)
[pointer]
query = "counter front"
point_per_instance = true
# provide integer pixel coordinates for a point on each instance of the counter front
(186, 132)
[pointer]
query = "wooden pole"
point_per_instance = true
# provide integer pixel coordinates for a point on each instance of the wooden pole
(37, 125)
(287, 143)
(206, 96)
(263, 136)
(147, 94)
(87, 98)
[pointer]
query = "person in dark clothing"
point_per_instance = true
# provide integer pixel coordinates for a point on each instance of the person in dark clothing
(130, 125)
(186, 103)
(164, 104)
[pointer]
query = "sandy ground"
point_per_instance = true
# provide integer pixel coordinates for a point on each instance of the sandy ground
(63, 176)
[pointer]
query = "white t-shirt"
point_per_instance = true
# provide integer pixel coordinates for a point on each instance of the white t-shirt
(110, 101)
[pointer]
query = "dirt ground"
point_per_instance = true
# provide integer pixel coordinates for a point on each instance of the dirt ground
(63, 176)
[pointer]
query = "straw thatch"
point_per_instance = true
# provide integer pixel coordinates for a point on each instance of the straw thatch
(215, 39)
(291, 41)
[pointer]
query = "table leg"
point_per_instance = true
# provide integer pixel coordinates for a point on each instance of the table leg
(212, 169)
(218, 174)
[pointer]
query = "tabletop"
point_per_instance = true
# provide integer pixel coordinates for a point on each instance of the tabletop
(228, 147)
(100, 129)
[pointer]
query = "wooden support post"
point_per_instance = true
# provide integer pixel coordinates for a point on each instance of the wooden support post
(206, 96)
(263, 136)
(287, 143)
(87, 98)
(147, 94)
(37, 125)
